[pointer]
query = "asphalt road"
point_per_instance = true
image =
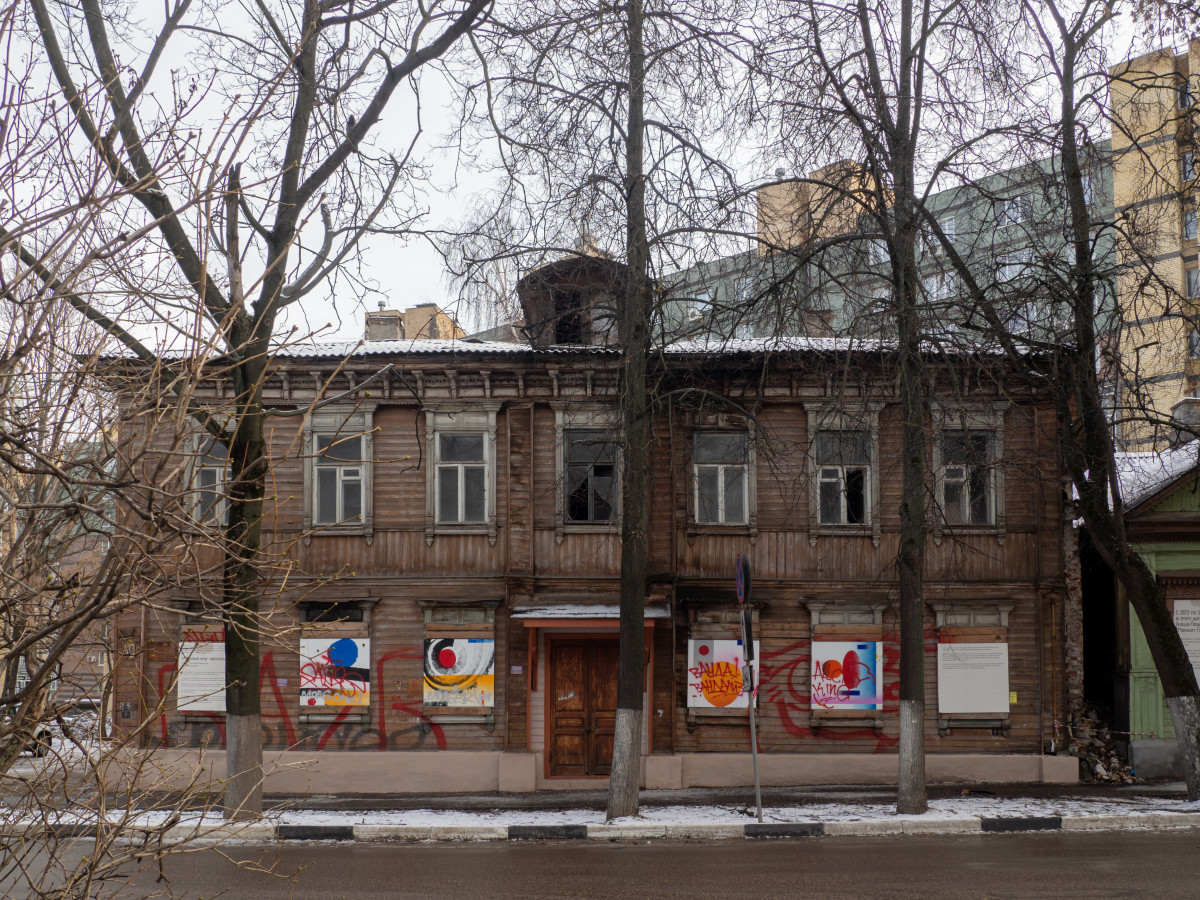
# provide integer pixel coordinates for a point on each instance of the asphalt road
(1163, 864)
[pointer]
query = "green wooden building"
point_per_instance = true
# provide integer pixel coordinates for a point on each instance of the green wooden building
(1162, 496)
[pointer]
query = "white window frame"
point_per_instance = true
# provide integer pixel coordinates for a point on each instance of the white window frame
(1012, 265)
(940, 287)
(1088, 183)
(1191, 282)
(460, 418)
(743, 290)
(343, 422)
(1014, 210)
(829, 416)
(199, 467)
(961, 475)
(569, 417)
(748, 480)
(1187, 166)
(948, 222)
(981, 417)
(1189, 223)
(877, 251)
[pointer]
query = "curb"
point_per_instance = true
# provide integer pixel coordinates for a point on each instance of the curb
(1005, 824)
(262, 832)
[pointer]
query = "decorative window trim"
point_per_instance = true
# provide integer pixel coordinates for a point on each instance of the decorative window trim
(971, 417)
(309, 628)
(221, 488)
(845, 620)
(569, 417)
(724, 423)
(462, 417)
(978, 620)
(358, 419)
(831, 416)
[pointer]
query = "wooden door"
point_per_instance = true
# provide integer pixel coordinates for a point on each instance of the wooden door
(583, 706)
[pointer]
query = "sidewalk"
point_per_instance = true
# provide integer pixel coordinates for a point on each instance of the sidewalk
(695, 814)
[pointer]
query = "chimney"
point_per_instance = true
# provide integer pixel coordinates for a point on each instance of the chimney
(385, 325)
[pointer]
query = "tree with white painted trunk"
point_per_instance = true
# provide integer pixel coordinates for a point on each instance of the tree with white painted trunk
(608, 142)
(239, 179)
(1083, 347)
(875, 98)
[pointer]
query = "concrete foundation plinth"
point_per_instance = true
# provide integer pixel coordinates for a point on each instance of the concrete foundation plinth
(1156, 758)
(664, 773)
(465, 771)
(518, 773)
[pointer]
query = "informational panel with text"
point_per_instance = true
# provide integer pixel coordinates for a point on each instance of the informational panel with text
(202, 669)
(973, 678)
(1187, 620)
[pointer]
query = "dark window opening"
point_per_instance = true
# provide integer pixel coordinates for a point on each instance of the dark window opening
(568, 318)
(331, 612)
(591, 477)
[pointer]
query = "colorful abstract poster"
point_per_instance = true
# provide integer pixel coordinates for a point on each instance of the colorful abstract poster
(335, 671)
(847, 675)
(460, 672)
(201, 685)
(715, 674)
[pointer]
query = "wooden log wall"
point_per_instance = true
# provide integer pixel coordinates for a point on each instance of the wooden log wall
(398, 570)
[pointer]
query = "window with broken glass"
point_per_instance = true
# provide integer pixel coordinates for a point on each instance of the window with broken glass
(843, 465)
(967, 478)
(590, 471)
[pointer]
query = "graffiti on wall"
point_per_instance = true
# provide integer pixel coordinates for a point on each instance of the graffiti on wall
(412, 729)
(785, 690)
(715, 674)
(460, 672)
(335, 671)
(846, 675)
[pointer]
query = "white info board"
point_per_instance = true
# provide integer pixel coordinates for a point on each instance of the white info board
(202, 670)
(1187, 620)
(973, 678)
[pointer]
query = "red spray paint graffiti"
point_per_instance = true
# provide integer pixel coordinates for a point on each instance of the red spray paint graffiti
(785, 685)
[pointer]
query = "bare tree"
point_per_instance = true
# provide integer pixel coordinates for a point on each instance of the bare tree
(1087, 290)
(608, 144)
(231, 188)
(878, 98)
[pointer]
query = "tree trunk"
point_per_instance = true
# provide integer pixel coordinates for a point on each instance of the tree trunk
(243, 718)
(910, 563)
(627, 744)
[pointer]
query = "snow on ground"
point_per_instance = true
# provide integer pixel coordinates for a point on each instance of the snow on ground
(939, 810)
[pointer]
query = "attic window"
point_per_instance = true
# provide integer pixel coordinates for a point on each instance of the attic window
(568, 317)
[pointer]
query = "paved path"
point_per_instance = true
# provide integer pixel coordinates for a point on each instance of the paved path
(1162, 864)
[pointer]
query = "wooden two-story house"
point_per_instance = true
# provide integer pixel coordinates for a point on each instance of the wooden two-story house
(442, 565)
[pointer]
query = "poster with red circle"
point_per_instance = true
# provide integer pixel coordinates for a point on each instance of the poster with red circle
(715, 674)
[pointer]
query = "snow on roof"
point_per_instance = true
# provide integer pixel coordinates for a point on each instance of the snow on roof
(582, 611)
(343, 349)
(1143, 474)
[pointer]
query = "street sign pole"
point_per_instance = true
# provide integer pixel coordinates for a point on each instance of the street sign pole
(742, 580)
